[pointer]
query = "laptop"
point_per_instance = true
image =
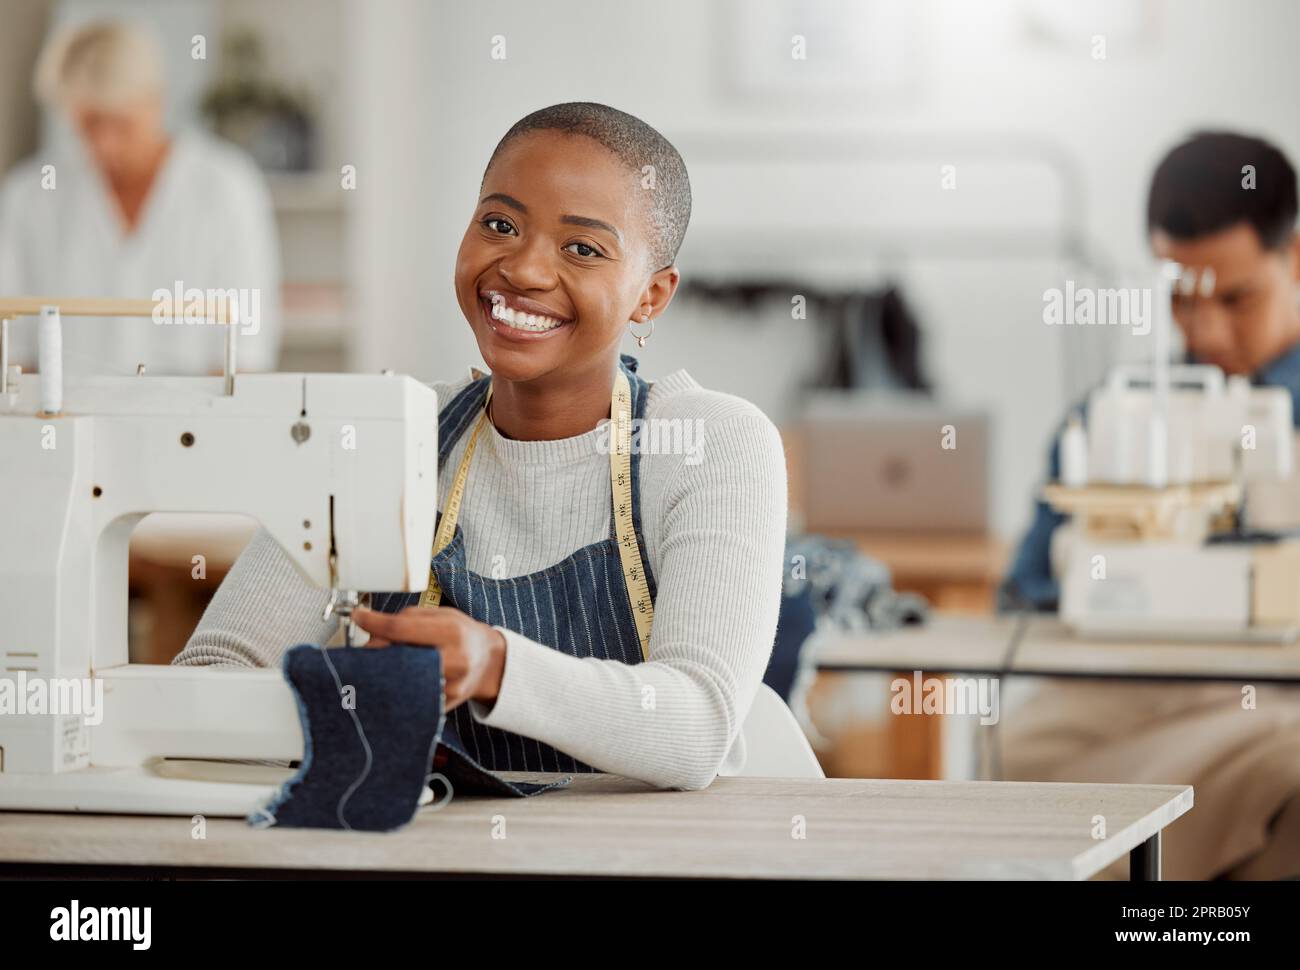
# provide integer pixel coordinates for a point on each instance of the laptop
(894, 463)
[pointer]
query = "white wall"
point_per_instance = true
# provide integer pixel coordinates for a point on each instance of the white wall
(428, 105)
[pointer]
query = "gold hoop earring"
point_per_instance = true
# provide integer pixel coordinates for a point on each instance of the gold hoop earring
(641, 338)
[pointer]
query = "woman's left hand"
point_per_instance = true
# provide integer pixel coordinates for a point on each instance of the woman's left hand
(473, 653)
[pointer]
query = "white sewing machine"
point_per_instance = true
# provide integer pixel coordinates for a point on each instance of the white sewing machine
(1155, 547)
(340, 469)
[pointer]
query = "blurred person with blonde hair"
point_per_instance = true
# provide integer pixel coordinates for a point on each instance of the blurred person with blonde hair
(135, 212)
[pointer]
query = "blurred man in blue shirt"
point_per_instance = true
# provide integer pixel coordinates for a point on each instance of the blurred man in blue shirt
(1201, 214)
(1224, 203)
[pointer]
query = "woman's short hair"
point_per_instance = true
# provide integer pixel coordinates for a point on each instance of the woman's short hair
(637, 146)
(105, 64)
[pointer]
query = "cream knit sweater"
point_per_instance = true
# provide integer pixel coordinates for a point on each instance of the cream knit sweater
(713, 514)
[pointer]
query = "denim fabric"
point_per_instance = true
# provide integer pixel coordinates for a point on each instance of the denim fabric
(467, 777)
(579, 605)
(794, 625)
(371, 717)
(370, 720)
(1030, 584)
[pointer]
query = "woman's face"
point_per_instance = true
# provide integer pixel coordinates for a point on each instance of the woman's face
(558, 233)
(122, 141)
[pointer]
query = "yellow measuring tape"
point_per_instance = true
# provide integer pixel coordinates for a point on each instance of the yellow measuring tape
(620, 479)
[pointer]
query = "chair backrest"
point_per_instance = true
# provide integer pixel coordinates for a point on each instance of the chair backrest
(775, 745)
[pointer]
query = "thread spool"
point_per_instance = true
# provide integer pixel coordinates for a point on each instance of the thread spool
(1074, 454)
(49, 354)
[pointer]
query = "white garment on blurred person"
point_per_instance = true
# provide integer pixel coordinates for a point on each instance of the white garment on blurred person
(207, 224)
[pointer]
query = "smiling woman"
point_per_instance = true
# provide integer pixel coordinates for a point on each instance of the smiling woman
(597, 608)
(581, 213)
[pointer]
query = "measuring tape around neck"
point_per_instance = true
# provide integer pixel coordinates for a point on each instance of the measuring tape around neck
(620, 479)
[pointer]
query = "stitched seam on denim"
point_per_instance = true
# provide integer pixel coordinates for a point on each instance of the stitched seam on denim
(365, 743)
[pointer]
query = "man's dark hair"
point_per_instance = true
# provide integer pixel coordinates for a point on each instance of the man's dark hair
(1200, 188)
(636, 144)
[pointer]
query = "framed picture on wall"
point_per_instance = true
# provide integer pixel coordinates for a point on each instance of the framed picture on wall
(1091, 27)
(823, 48)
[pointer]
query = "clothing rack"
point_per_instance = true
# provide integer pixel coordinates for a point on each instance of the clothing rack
(921, 149)
(883, 253)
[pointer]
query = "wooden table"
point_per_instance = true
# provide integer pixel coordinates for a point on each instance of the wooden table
(989, 646)
(607, 826)
(982, 645)
(912, 743)
(956, 572)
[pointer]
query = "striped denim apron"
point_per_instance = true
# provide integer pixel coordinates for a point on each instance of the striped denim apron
(579, 606)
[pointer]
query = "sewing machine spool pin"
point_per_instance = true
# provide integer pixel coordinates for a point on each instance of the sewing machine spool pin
(4, 355)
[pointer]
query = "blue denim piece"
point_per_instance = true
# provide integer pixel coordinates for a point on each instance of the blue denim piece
(794, 625)
(578, 606)
(366, 762)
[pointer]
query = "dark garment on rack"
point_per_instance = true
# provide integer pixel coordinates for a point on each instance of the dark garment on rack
(874, 339)
(878, 345)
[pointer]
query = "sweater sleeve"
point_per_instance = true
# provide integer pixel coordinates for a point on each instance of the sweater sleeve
(262, 607)
(672, 720)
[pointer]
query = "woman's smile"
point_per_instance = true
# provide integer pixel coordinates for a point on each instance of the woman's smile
(515, 318)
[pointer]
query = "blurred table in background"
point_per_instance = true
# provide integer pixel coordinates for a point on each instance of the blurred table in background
(956, 573)
(170, 586)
